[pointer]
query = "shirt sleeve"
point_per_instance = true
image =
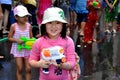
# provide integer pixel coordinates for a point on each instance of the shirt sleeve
(35, 52)
(70, 52)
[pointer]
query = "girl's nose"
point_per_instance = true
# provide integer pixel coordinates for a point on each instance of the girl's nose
(54, 24)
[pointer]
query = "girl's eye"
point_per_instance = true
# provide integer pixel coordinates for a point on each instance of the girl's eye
(49, 22)
(58, 22)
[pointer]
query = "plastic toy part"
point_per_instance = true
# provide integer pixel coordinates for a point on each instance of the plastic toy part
(28, 43)
(96, 4)
(53, 53)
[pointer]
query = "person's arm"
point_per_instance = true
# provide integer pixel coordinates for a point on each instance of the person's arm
(34, 59)
(31, 34)
(1, 13)
(10, 35)
(70, 57)
(109, 4)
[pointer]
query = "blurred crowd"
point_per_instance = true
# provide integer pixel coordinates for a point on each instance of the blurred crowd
(76, 13)
(83, 14)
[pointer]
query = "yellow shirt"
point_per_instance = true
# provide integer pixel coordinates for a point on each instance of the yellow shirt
(32, 2)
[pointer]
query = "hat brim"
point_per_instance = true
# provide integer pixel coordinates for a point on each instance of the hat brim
(22, 15)
(53, 19)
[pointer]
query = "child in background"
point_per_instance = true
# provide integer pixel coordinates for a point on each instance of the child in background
(111, 12)
(91, 20)
(53, 34)
(17, 30)
(81, 12)
(89, 35)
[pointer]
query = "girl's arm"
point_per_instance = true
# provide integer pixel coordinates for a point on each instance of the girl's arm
(31, 34)
(67, 65)
(70, 57)
(109, 4)
(10, 35)
(40, 64)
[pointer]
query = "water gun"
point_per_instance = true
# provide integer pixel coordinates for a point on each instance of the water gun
(53, 53)
(28, 42)
(96, 4)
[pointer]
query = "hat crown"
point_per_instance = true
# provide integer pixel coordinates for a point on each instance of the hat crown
(21, 11)
(53, 14)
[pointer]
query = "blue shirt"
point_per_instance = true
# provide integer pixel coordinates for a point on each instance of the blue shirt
(6, 2)
(80, 6)
(72, 4)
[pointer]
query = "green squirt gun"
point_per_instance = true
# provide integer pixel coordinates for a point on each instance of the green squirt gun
(28, 42)
(96, 4)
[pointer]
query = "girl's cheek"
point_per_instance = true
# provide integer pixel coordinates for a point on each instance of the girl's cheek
(25, 19)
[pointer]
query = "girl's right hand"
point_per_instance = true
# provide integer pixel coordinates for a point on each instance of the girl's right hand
(19, 41)
(44, 63)
(111, 6)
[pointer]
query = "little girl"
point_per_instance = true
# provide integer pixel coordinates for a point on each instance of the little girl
(111, 11)
(17, 30)
(91, 20)
(53, 40)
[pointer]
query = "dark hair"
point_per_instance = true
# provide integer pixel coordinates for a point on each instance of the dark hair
(44, 33)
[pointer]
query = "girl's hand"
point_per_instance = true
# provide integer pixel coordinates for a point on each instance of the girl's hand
(54, 63)
(19, 41)
(91, 3)
(111, 6)
(44, 63)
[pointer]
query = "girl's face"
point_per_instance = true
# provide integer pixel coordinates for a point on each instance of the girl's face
(22, 20)
(54, 29)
